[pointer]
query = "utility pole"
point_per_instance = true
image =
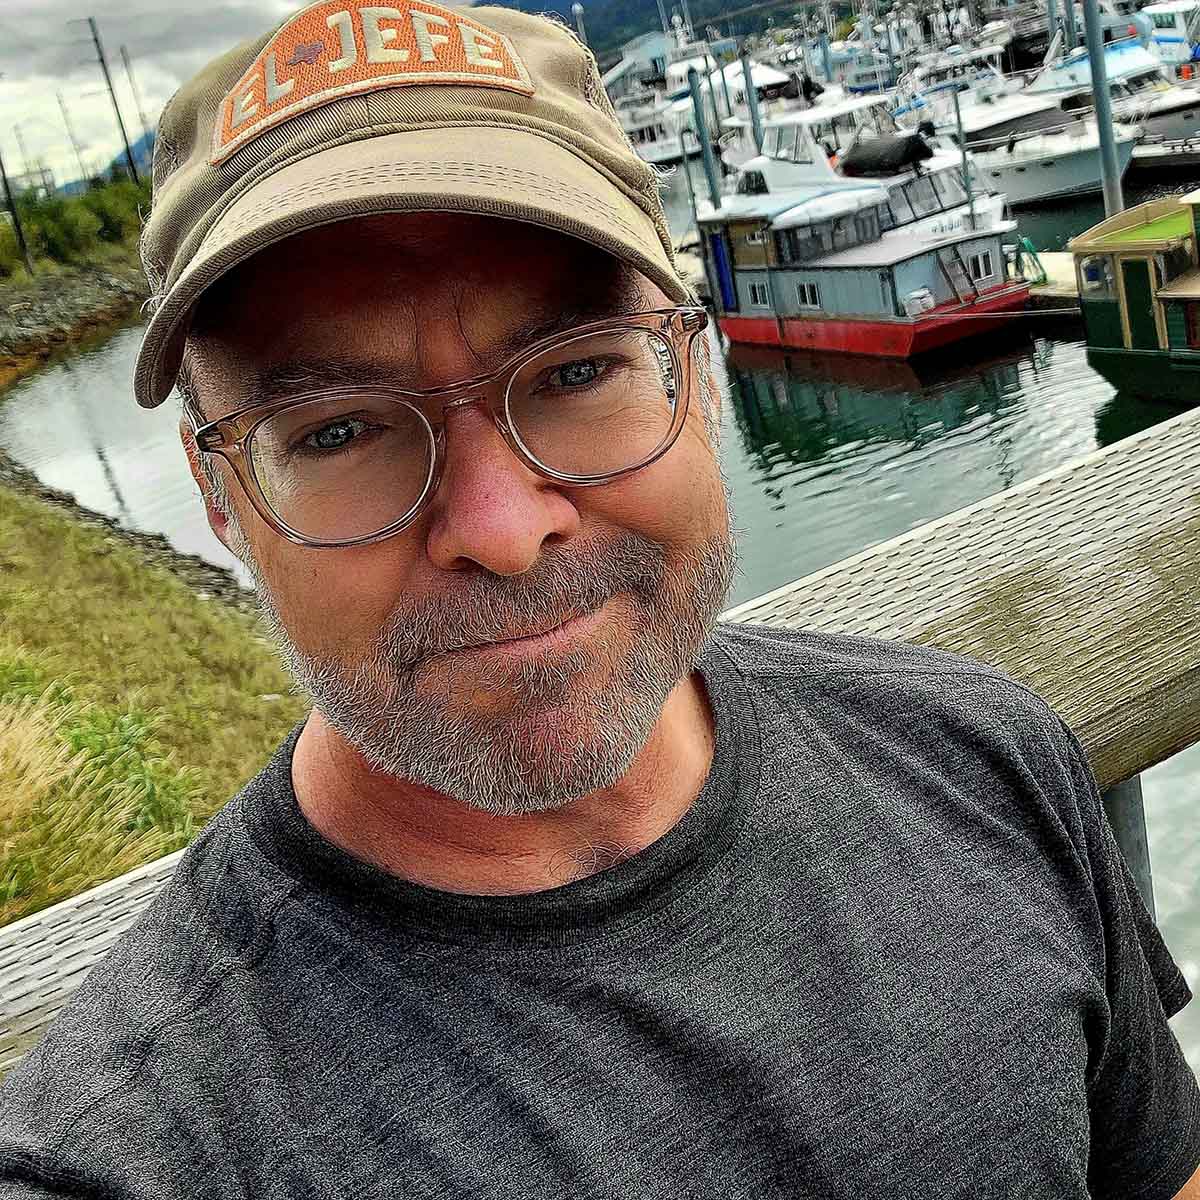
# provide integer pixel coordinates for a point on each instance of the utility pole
(62, 104)
(133, 171)
(141, 108)
(21, 147)
(1110, 170)
(16, 218)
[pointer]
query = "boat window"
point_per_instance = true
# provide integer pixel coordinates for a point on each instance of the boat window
(949, 187)
(759, 296)
(1096, 277)
(981, 265)
(1163, 20)
(1175, 262)
(921, 196)
(843, 234)
(1192, 315)
(901, 208)
(807, 243)
(887, 218)
(751, 183)
(866, 226)
(808, 295)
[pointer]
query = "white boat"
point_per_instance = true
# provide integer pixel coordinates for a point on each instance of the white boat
(1023, 145)
(856, 144)
(1175, 31)
(645, 117)
(1143, 91)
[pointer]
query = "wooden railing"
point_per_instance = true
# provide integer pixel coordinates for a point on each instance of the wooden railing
(1083, 584)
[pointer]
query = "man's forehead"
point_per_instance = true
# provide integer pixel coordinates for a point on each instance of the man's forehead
(397, 359)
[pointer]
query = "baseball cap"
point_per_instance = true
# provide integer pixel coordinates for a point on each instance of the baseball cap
(348, 109)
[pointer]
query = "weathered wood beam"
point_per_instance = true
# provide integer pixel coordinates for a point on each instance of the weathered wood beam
(1083, 583)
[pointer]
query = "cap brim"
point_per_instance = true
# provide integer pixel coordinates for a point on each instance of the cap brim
(507, 173)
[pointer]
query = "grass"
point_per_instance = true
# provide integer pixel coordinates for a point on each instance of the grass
(130, 708)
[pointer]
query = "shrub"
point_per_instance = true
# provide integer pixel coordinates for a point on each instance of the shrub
(58, 228)
(116, 206)
(10, 251)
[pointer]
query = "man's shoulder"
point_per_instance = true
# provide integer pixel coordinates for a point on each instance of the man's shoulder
(909, 689)
(766, 650)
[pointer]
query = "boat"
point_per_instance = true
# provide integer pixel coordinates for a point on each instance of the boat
(1143, 90)
(1023, 144)
(1175, 32)
(840, 239)
(645, 118)
(1139, 292)
(1031, 26)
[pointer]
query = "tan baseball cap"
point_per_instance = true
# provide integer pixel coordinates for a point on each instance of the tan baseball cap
(348, 109)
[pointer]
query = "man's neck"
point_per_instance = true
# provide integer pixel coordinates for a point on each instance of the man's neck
(431, 839)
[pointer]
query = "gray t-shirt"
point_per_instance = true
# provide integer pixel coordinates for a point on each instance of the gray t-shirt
(891, 951)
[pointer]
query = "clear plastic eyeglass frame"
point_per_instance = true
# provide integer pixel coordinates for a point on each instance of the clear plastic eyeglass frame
(231, 436)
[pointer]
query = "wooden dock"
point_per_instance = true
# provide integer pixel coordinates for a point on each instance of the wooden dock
(1082, 583)
(1061, 289)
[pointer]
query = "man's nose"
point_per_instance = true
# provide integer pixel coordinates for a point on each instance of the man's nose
(491, 509)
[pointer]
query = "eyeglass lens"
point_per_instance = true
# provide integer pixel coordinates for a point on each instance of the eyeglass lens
(349, 465)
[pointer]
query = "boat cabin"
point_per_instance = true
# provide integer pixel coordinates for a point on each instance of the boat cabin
(1176, 30)
(1139, 290)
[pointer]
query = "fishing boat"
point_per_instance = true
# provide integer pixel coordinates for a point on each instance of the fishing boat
(1143, 91)
(875, 245)
(1031, 26)
(1139, 291)
(1176, 31)
(1023, 144)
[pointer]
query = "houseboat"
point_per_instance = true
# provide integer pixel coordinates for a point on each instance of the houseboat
(878, 248)
(1139, 290)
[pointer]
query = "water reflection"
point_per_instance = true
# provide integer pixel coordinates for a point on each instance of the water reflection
(75, 425)
(799, 404)
(829, 454)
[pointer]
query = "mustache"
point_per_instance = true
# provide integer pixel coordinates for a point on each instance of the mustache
(484, 607)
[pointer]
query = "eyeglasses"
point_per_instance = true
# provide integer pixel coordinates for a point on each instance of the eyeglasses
(349, 465)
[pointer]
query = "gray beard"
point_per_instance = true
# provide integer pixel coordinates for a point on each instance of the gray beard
(514, 763)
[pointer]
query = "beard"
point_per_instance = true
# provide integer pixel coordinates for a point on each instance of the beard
(526, 736)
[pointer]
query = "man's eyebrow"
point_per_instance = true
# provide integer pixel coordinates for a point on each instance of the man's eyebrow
(340, 370)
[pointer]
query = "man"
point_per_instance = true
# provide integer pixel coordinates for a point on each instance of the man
(561, 890)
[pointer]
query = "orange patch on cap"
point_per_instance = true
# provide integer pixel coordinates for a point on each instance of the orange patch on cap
(341, 47)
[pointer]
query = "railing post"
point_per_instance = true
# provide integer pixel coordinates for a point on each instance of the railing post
(1127, 816)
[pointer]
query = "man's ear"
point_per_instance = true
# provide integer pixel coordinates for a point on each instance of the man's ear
(218, 519)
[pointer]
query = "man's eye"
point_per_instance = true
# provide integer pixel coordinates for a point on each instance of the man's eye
(579, 373)
(335, 435)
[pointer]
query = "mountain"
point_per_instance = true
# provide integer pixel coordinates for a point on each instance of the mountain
(611, 23)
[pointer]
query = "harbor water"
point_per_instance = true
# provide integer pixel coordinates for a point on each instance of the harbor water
(824, 456)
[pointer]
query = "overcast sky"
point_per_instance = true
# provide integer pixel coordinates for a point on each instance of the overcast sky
(44, 51)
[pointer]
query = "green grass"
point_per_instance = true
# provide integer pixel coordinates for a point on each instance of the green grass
(130, 708)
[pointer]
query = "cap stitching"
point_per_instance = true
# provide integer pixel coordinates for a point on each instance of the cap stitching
(480, 171)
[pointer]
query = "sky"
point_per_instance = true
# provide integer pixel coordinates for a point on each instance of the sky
(46, 49)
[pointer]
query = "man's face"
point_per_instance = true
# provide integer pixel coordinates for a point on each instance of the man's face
(408, 644)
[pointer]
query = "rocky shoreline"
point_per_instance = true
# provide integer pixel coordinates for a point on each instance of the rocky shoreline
(49, 314)
(205, 579)
(61, 305)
